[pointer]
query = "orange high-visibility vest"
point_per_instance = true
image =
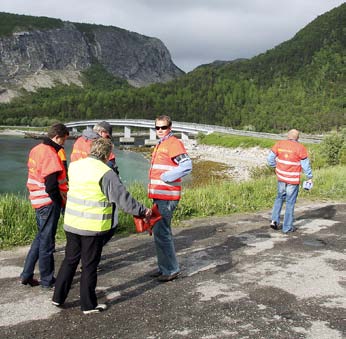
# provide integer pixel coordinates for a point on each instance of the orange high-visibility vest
(43, 161)
(288, 167)
(161, 162)
(81, 149)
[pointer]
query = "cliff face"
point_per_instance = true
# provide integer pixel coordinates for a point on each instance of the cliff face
(36, 58)
(134, 57)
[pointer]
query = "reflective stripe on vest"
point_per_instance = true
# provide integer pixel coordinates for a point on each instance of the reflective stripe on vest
(163, 167)
(87, 207)
(90, 203)
(165, 193)
(287, 173)
(41, 201)
(35, 182)
(87, 215)
(285, 162)
(38, 193)
(162, 183)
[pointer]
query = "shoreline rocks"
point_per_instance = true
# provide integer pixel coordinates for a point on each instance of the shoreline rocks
(239, 160)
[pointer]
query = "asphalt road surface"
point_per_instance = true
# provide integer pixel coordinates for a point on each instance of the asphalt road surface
(240, 279)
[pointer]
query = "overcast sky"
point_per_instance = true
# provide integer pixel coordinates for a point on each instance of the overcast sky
(195, 31)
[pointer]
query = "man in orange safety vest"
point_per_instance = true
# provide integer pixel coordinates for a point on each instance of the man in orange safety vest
(289, 158)
(47, 185)
(169, 163)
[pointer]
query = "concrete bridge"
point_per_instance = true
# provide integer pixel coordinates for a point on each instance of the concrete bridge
(185, 128)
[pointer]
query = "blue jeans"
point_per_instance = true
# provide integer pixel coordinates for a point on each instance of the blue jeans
(43, 246)
(165, 251)
(288, 193)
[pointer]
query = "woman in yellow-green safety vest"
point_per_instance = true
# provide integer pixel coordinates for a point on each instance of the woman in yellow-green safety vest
(88, 212)
(95, 193)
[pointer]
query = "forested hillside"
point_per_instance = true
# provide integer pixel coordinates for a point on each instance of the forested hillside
(301, 83)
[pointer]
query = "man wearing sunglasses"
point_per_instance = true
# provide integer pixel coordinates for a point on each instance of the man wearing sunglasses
(170, 162)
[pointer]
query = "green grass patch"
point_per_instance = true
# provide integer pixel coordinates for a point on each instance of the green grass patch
(234, 141)
(18, 221)
(215, 198)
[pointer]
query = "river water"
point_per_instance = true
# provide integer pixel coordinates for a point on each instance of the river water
(14, 153)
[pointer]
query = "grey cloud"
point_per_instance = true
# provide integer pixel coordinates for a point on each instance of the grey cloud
(195, 31)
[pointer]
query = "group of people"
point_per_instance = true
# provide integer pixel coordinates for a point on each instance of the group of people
(90, 194)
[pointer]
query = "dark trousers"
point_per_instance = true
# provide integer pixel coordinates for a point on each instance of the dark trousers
(43, 247)
(88, 249)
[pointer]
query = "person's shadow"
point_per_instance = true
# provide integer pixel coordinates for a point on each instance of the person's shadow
(326, 212)
(146, 251)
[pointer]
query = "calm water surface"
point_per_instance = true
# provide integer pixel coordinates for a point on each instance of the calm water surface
(14, 153)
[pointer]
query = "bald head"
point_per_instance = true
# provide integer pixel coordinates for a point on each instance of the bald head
(293, 134)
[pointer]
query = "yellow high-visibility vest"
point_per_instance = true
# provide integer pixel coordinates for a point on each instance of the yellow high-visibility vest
(87, 208)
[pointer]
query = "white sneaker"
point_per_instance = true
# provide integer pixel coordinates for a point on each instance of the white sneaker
(99, 308)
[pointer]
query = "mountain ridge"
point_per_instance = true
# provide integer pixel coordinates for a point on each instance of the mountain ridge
(58, 51)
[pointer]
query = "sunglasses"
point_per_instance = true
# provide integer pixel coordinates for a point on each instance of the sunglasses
(161, 127)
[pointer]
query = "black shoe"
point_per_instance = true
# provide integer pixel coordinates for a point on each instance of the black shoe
(30, 281)
(50, 286)
(155, 274)
(274, 225)
(170, 277)
(290, 231)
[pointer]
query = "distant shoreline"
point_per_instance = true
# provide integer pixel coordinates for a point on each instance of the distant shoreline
(26, 134)
(14, 132)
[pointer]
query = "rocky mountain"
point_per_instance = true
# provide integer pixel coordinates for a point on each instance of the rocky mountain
(33, 57)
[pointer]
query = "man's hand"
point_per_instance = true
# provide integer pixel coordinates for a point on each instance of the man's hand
(147, 216)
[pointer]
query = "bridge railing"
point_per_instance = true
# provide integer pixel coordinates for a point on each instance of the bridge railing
(192, 128)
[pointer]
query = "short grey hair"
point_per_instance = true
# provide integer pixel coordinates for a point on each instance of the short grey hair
(293, 134)
(101, 149)
(103, 126)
